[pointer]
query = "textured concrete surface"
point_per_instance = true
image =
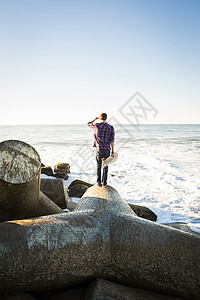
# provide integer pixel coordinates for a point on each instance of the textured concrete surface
(55, 190)
(182, 226)
(102, 289)
(19, 162)
(20, 195)
(103, 238)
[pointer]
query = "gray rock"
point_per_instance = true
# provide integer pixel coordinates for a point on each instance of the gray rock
(61, 170)
(78, 181)
(47, 171)
(143, 212)
(77, 188)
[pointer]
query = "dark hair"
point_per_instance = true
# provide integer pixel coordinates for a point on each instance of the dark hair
(103, 116)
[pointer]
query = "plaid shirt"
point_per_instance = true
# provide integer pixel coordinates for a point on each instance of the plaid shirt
(103, 135)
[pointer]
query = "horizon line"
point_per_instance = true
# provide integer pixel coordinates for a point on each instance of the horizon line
(64, 124)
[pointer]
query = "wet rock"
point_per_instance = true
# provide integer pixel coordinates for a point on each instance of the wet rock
(61, 170)
(54, 189)
(77, 188)
(47, 171)
(143, 212)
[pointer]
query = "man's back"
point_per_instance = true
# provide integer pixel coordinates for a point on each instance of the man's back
(104, 135)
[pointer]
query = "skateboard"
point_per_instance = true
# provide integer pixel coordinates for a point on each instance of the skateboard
(111, 159)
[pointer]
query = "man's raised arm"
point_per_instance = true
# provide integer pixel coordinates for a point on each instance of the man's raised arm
(91, 123)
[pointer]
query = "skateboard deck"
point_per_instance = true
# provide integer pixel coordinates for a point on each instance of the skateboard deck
(110, 160)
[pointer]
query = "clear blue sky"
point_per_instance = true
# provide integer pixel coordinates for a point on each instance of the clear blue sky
(67, 61)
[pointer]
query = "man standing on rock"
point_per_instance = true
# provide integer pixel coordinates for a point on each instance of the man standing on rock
(104, 142)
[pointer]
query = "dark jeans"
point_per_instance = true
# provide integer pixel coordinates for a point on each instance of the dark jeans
(100, 153)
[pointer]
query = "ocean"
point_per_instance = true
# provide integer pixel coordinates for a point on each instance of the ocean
(158, 165)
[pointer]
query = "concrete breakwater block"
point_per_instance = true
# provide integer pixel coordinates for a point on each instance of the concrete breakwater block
(101, 289)
(103, 238)
(55, 190)
(183, 227)
(20, 195)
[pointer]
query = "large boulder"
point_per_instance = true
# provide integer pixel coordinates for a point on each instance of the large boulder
(54, 188)
(61, 170)
(47, 171)
(77, 188)
(143, 212)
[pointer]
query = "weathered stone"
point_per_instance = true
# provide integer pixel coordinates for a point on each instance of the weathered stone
(20, 196)
(78, 181)
(103, 238)
(143, 212)
(55, 190)
(62, 175)
(65, 167)
(102, 289)
(47, 171)
(77, 188)
(61, 170)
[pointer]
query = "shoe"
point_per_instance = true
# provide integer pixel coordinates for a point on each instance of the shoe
(105, 185)
(99, 184)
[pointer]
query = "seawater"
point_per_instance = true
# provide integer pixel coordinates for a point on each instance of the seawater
(158, 165)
